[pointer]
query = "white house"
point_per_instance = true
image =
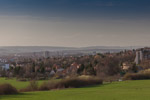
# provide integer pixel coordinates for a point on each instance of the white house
(5, 67)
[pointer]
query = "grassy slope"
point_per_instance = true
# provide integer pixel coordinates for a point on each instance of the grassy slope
(17, 84)
(129, 90)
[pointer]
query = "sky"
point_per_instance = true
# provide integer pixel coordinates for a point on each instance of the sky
(74, 23)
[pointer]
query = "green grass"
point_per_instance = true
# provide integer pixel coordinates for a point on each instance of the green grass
(127, 90)
(17, 84)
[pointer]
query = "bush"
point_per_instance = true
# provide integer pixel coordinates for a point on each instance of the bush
(136, 76)
(22, 79)
(6, 89)
(33, 86)
(48, 86)
(70, 83)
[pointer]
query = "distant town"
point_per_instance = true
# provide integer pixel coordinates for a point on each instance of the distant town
(61, 64)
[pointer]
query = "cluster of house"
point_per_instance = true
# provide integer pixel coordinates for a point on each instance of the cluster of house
(56, 69)
(59, 71)
(141, 54)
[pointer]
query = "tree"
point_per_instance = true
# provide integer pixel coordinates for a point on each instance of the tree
(80, 70)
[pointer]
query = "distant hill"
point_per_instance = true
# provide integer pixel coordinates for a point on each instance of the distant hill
(27, 49)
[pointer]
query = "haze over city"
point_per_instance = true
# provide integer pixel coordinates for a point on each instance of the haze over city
(74, 23)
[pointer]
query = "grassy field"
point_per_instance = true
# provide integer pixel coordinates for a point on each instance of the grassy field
(17, 84)
(127, 90)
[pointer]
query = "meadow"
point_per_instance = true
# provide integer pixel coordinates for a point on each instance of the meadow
(125, 90)
(18, 84)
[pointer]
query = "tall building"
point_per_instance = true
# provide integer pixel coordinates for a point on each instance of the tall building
(46, 54)
(142, 54)
(137, 58)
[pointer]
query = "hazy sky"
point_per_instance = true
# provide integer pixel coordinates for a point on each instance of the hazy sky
(75, 23)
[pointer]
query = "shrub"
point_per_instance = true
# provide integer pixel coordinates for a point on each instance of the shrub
(22, 79)
(70, 83)
(33, 86)
(136, 76)
(48, 86)
(6, 89)
(44, 87)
